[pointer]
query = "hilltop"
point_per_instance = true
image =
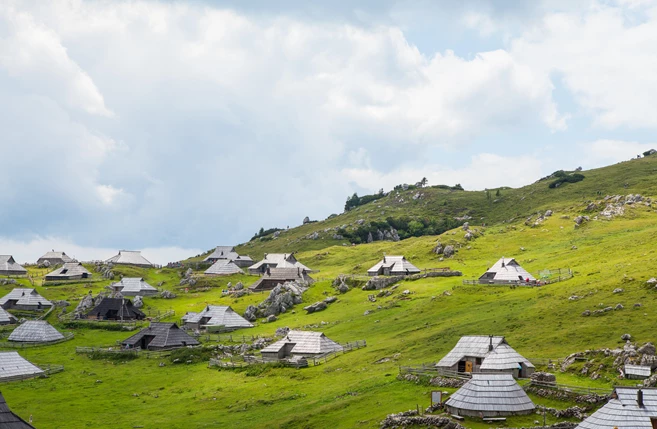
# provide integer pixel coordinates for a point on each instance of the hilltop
(448, 208)
(609, 251)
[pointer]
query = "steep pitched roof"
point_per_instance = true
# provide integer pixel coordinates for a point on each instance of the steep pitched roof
(35, 331)
(396, 264)
(503, 357)
(306, 342)
(623, 411)
(129, 257)
(218, 315)
(9, 420)
(57, 255)
(491, 393)
(7, 263)
(223, 252)
(13, 365)
(223, 267)
(282, 275)
(25, 296)
(6, 317)
(507, 269)
(124, 309)
(166, 335)
(280, 260)
(70, 269)
(134, 285)
(638, 370)
(471, 345)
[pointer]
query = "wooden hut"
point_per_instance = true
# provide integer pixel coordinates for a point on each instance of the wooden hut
(120, 309)
(216, 316)
(130, 257)
(506, 271)
(490, 354)
(275, 276)
(300, 344)
(629, 407)
(6, 318)
(55, 258)
(35, 331)
(160, 336)
(223, 267)
(277, 260)
(228, 253)
(14, 367)
(393, 266)
(69, 271)
(133, 286)
(9, 267)
(9, 420)
(24, 299)
(490, 395)
(637, 372)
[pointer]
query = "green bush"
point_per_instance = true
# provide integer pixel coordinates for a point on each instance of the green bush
(91, 325)
(566, 178)
(191, 355)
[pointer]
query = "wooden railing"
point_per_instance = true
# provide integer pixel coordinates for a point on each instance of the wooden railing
(47, 369)
(545, 277)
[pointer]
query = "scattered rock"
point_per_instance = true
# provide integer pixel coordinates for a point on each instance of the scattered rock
(586, 313)
(306, 220)
(318, 306)
(626, 337)
(167, 294)
(271, 318)
(619, 307)
(619, 290)
(138, 302)
(448, 251)
(281, 332)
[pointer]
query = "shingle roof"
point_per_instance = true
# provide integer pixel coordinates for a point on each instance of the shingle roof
(280, 260)
(472, 345)
(490, 394)
(503, 357)
(120, 308)
(7, 263)
(223, 252)
(134, 286)
(35, 331)
(638, 370)
(25, 297)
(218, 315)
(223, 267)
(507, 269)
(306, 342)
(129, 257)
(166, 335)
(6, 317)
(9, 420)
(13, 365)
(624, 411)
(57, 255)
(68, 270)
(396, 264)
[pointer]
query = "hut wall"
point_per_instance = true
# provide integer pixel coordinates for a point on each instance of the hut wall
(12, 273)
(477, 413)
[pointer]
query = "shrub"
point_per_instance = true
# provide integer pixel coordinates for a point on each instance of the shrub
(191, 355)
(566, 178)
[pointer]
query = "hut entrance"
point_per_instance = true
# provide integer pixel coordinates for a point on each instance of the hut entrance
(468, 366)
(461, 366)
(145, 341)
(654, 423)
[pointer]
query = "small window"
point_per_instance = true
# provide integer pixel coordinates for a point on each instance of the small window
(478, 361)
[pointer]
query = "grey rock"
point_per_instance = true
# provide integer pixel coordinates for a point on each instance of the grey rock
(586, 313)
(306, 220)
(138, 302)
(619, 290)
(647, 349)
(448, 251)
(167, 294)
(626, 337)
(331, 299)
(370, 238)
(271, 318)
(619, 307)
(239, 286)
(250, 313)
(318, 306)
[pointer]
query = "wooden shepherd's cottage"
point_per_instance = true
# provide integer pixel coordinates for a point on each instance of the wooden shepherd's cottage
(55, 258)
(36, 332)
(275, 276)
(9, 267)
(490, 395)
(629, 407)
(277, 260)
(120, 309)
(133, 286)
(223, 267)
(130, 257)
(506, 271)
(69, 271)
(14, 367)
(24, 299)
(160, 336)
(300, 344)
(215, 316)
(393, 266)
(228, 253)
(487, 354)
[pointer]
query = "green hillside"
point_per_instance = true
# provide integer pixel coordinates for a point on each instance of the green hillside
(360, 388)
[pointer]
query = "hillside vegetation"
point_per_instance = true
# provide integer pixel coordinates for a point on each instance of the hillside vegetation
(360, 388)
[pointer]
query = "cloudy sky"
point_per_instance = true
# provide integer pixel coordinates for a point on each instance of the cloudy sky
(176, 126)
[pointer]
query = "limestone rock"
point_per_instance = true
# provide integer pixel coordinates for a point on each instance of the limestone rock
(626, 337)
(318, 306)
(448, 251)
(138, 302)
(306, 220)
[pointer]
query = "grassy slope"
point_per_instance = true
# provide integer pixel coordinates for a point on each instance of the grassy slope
(352, 390)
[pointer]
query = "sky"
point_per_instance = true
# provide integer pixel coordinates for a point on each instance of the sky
(173, 127)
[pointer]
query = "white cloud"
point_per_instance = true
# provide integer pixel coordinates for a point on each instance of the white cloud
(108, 194)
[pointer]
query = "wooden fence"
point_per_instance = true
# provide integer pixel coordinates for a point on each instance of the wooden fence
(19, 345)
(577, 390)
(545, 277)
(47, 369)
(242, 361)
(227, 338)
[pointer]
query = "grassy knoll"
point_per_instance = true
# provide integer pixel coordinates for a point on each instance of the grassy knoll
(353, 390)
